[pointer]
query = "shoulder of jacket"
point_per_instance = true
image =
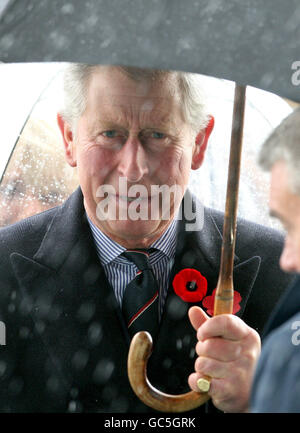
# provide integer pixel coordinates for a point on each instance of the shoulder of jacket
(24, 234)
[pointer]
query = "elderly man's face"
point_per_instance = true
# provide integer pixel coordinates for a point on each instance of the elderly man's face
(285, 205)
(132, 134)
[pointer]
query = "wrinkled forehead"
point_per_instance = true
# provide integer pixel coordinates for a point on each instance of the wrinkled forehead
(111, 87)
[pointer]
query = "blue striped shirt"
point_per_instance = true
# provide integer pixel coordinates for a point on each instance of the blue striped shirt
(120, 271)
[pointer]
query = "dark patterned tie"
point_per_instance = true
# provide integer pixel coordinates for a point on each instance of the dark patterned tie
(140, 300)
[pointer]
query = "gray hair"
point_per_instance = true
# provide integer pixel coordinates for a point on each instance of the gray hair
(284, 144)
(77, 77)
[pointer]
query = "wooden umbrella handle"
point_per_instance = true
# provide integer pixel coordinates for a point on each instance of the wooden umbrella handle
(141, 344)
(139, 352)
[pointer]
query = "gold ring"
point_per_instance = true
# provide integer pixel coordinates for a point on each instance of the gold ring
(203, 384)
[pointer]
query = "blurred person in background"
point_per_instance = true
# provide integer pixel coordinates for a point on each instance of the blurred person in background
(276, 386)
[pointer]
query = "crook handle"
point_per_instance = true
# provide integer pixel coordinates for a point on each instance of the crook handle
(139, 352)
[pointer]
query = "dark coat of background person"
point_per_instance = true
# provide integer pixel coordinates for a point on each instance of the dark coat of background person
(276, 385)
(66, 343)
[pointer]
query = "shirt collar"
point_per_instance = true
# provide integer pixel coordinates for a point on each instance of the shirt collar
(108, 250)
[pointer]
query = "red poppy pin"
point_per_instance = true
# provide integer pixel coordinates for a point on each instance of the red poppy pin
(190, 285)
(208, 303)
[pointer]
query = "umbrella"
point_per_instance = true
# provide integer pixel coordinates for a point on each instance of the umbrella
(251, 42)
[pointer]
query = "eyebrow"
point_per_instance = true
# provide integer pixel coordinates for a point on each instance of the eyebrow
(153, 124)
(280, 217)
(274, 214)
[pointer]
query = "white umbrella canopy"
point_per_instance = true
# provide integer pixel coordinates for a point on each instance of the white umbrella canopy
(251, 42)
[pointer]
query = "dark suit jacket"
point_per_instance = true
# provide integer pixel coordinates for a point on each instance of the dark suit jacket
(279, 364)
(66, 343)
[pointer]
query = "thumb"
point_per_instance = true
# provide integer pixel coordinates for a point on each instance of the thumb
(197, 317)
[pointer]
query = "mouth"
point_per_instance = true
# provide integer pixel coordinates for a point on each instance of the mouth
(127, 199)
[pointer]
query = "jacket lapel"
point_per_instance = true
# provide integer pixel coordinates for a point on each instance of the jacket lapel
(201, 250)
(71, 301)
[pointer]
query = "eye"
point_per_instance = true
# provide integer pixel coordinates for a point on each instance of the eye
(110, 134)
(157, 135)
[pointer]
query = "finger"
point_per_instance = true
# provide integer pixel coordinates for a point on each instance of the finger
(212, 367)
(219, 349)
(192, 381)
(226, 326)
(197, 317)
(220, 389)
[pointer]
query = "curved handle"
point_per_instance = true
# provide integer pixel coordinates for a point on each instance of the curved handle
(139, 352)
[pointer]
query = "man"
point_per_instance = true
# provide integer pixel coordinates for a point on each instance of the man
(276, 386)
(69, 276)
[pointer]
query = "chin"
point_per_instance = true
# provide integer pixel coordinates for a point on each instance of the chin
(136, 230)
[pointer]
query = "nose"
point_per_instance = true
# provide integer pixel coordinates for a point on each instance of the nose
(288, 259)
(133, 160)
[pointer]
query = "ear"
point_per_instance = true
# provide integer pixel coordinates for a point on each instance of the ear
(68, 140)
(201, 144)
